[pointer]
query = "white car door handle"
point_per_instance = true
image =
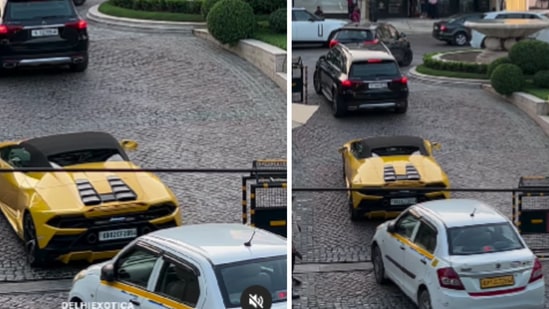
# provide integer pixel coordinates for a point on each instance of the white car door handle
(423, 261)
(402, 248)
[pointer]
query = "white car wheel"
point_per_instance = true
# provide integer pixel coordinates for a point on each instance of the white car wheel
(424, 299)
(379, 268)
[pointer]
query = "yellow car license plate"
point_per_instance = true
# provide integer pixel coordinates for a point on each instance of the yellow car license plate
(486, 283)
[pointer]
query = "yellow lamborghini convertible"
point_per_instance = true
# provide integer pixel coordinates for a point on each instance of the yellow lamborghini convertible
(80, 215)
(390, 162)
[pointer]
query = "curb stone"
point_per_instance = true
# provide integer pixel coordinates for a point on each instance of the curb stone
(527, 103)
(445, 80)
(170, 26)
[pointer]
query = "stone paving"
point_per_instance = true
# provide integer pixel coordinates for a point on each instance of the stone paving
(188, 104)
(485, 143)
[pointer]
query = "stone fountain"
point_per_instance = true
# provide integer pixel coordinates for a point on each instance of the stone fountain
(502, 34)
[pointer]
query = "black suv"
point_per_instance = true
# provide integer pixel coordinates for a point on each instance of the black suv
(360, 79)
(396, 41)
(45, 32)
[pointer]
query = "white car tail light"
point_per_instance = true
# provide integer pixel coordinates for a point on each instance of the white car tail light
(537, 271)
(448, 278)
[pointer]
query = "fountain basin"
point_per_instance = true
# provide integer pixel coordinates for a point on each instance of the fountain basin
(508, 28)
(502, 34)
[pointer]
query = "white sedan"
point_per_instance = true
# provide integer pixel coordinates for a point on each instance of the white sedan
(477, 38)
(309, 28)
(194, 266)
(456, 254)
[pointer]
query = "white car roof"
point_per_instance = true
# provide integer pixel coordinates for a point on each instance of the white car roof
(495, 13)
(221, 243)
(457, 212)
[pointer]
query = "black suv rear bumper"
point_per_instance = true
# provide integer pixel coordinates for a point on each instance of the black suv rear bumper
(385, 102)
(72, 57)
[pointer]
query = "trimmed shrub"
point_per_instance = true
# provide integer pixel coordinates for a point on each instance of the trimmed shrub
(507, 78)
(173, 6)
(530, 55)
(277, 21)
(207, 6)
(494, 64)
(453, 66)
(541, 79)
(230, 21)
(266, 7)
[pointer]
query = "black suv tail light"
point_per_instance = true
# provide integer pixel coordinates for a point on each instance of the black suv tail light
(80, 25)
(403, 80)
(9, 29)
(349, 83)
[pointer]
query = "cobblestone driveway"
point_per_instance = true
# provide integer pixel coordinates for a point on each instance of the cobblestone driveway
(187, 102)
(485, 143)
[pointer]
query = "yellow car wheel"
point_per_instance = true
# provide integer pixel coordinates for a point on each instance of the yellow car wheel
(355, 213)
(35, 256)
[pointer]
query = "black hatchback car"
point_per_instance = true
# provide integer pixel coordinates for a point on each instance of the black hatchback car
(360, 79)
(396, 41)
(45, 32)
(453, 31)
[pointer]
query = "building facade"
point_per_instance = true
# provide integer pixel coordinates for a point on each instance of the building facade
(412, 8)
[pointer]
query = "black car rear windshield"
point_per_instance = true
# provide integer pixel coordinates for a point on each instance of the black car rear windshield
(369, 70)
(346, 36)
(481, 239)
(41, 9)
(84, 156)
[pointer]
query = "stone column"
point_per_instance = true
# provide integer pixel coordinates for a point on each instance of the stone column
(364, 10)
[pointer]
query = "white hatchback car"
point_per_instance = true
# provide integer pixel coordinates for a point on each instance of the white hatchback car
(455, 254)
(477, 38)
(309, 28)
(192, 266)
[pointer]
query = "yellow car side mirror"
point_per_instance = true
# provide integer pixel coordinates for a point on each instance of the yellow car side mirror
(341, 149)
(436, 146)
(128, 145)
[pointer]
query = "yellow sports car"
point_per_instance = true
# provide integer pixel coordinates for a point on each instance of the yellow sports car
(80, 215)
(390, 162)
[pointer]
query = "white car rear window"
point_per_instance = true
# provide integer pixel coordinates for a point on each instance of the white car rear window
(269, 273)
(481, 239)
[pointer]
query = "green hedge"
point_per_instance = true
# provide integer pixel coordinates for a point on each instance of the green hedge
(530, 55)
(454, 66)
(174, 6)
(541, 79)
(230, 21)
(277, 21)
(507, 78)
(207, 5)
(494, 64)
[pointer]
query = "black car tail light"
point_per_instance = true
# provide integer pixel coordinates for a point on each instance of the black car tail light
(443, 28)
(350, 83)
(403, 80)
(10, 29)
(79, 25)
